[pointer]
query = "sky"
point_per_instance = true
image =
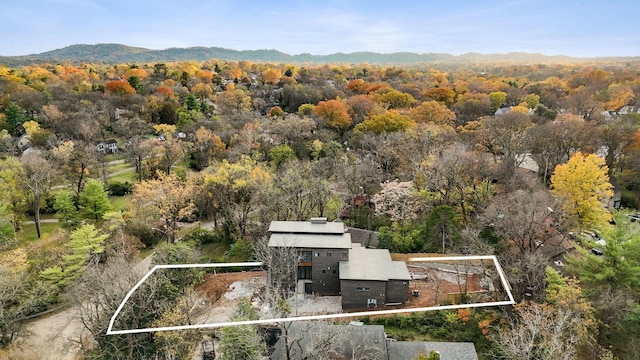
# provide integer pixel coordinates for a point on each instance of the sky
(581, 28)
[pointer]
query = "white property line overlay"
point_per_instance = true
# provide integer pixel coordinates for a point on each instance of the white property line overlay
(503, 280)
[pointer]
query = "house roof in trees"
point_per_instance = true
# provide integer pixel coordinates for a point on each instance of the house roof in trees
(407, 350)
(311, 241)
(367, 341)
(349, 341)
(372, 264)
(314, 226)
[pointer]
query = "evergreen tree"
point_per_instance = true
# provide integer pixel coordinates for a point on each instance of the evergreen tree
(242, 342)
(86, 245)
(14, 117)
(65, 208)
(94, 200)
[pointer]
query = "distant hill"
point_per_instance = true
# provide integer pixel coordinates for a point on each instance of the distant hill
(116, 53)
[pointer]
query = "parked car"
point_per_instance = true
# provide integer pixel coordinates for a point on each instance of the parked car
(208, 352)
(597, 252)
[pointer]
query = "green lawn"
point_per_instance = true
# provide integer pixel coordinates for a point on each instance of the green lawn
(119, 203)
(117, 167)
(28, 232)
(212, 252)
(129, 175)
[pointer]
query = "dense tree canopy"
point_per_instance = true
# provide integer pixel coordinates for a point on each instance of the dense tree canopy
(456, 158)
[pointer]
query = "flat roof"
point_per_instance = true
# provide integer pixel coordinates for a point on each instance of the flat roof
(372, 264)
(306, 227)
(313, 241)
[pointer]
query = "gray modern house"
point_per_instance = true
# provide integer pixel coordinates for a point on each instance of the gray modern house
(332, 265)
(371, 279)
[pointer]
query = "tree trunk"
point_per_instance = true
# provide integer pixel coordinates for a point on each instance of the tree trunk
(36, 214)
(139, 167)
(83, 167)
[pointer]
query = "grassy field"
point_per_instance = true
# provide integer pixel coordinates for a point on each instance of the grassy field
(119, 203)
(129, 175)
(28, 232)
(117, 167)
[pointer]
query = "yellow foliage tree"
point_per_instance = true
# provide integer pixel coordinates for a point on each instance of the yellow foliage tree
(165, 129)
(167, 199)
(31, 127)
(388, 121)
(583, 186)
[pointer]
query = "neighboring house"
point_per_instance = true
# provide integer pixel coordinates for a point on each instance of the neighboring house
(107, 147)
(371, 279)
(362, 342)
(409, 350)
(23, 143)
(366, 238)
(332, 265)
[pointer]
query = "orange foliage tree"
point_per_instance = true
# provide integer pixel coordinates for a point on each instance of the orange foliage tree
(119, 87)
(334, 113)
(433, 111)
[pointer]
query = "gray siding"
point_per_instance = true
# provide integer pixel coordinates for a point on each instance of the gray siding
(327, 283)
(354, 299)
(397, 291)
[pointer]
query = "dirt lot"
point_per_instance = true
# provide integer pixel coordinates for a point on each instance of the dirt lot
(447, 286)
(225, 289)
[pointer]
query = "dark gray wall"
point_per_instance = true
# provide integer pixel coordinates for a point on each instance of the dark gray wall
(354, 299)
(327, 283)
(397, 291)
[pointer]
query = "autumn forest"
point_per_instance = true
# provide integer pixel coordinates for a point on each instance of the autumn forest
(102, 165)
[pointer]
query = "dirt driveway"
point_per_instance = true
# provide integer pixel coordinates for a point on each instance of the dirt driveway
(52, 337)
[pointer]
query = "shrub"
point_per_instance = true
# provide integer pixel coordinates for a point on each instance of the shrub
(203, 236)
(117, 188)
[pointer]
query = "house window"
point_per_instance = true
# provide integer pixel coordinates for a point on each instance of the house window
(328, 254)
(362, 289)
(306, 256)
(334, 271)
(345, 254)
(324, 271)
(304, 272)
(317, 254)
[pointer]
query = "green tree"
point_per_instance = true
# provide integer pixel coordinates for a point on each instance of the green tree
(176, 281)
(135, 83)
(65, 208)
(86, 245)
(441, 228)
(497, 99)
(242, 342)
(94, 200)
(281, 153)
(582, 184)
(611, 283)
(191, 102)
(14, 117)
(7, 230)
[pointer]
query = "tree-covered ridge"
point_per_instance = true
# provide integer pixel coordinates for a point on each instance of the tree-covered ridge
(117, 53)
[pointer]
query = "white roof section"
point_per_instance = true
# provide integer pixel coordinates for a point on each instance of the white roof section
(372, 264)
(312, 241)
(307, 227)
